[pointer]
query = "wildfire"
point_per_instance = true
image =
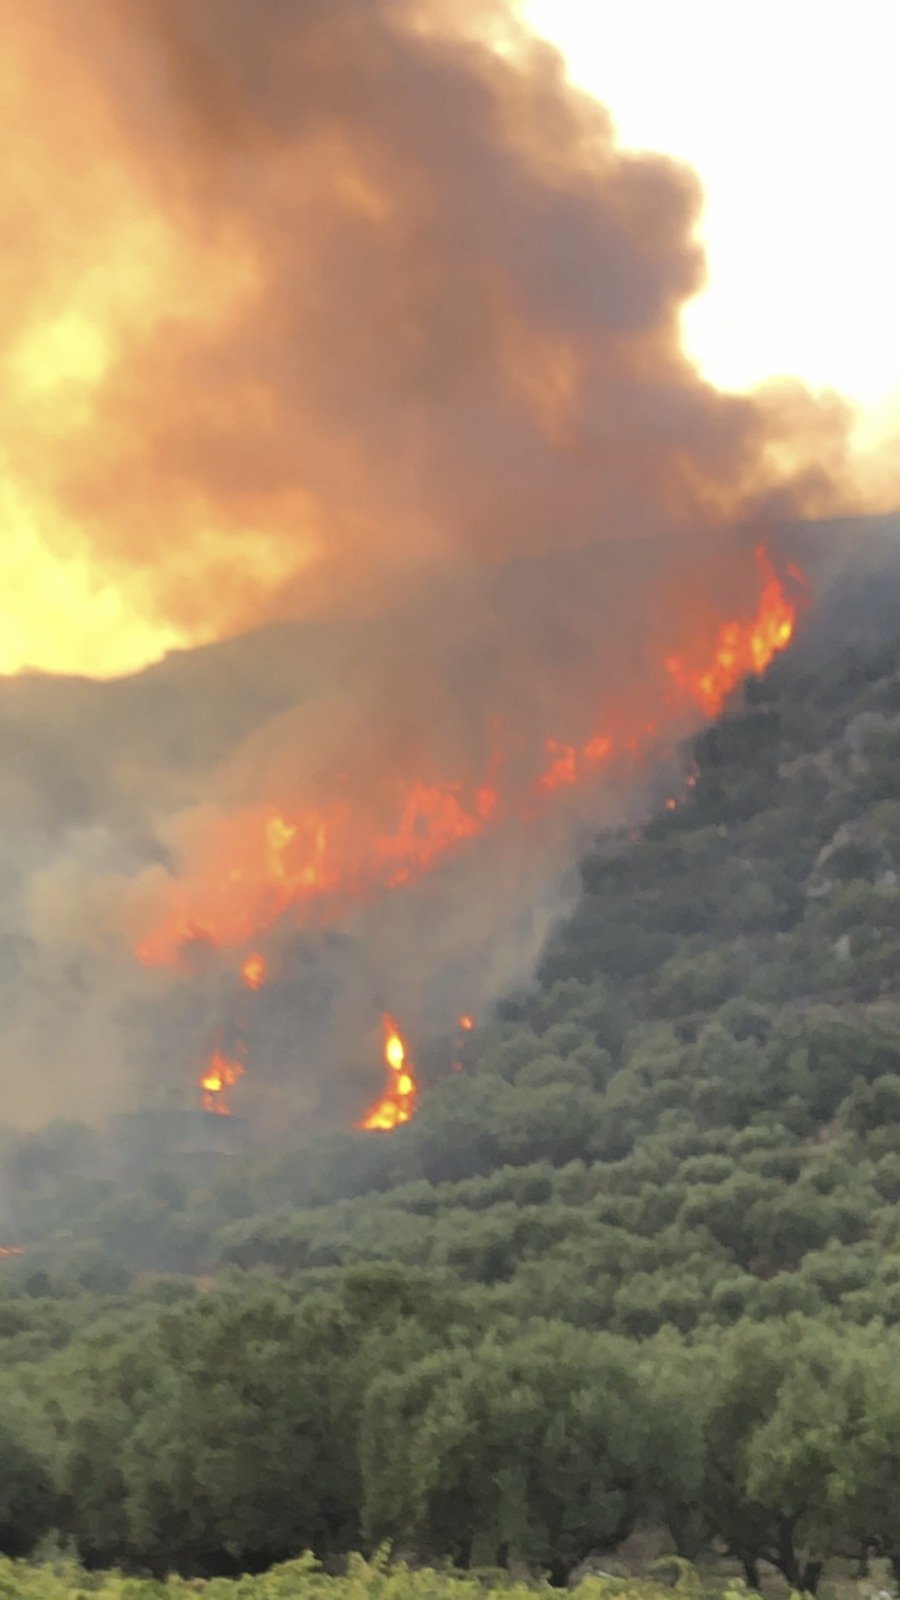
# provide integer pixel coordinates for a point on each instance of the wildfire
(254, 971)
(219, 1075)
(399, 1101)
(465, 1025)
(11, 1250)
(569, 764)
(257, 865)
(741, 648)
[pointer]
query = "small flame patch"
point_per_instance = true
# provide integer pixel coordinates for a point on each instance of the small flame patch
(399, 1101)
(220, 1074)
(254, 971)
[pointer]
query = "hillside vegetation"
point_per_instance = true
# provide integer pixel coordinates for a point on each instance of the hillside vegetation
(303, 1579)
(636, 1267)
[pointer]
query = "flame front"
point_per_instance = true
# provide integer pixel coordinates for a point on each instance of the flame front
(219, 1075)
(256, 865)
(398, 1103)
(740, 648)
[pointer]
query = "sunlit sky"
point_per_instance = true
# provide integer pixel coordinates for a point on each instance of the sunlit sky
(788, 111)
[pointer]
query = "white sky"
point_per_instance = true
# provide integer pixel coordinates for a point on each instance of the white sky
(789, 110)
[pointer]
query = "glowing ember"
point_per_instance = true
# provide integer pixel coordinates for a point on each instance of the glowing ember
(465, 1024)
(399, 1101)
(569, 764)
(219, 1075)
(256, 865)
(254, 971)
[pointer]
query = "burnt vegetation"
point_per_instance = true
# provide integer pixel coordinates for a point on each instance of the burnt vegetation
(636, 1267)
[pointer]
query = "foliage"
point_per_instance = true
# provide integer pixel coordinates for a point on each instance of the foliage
(303, 1579)
(636, 1266)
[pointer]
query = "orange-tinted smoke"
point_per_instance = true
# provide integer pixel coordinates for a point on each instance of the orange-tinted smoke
(300, 299)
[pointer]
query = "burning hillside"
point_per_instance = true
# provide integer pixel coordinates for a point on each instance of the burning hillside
(259, 865)
(345, 339)
(260, 868)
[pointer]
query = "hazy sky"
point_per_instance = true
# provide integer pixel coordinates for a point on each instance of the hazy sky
(787, 109)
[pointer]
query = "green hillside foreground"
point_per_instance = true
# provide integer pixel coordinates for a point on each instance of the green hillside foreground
(304, 1580)
(634, 1272)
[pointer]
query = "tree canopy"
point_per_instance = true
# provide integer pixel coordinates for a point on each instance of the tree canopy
(636, 1265)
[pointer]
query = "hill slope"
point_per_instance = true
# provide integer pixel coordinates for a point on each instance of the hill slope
(638, 1263)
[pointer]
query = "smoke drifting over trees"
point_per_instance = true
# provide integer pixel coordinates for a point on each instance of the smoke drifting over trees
(347, 313)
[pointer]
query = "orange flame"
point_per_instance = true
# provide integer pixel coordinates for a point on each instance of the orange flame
(254, 971)
(399, 1101)
(220, 1074)
(257, 864)
(740, 648)
(465, 1024)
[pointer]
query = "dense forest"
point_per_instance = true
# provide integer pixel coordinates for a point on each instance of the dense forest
(634, 1271)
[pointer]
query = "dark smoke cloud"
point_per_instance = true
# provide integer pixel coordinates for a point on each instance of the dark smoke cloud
(388, 335)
